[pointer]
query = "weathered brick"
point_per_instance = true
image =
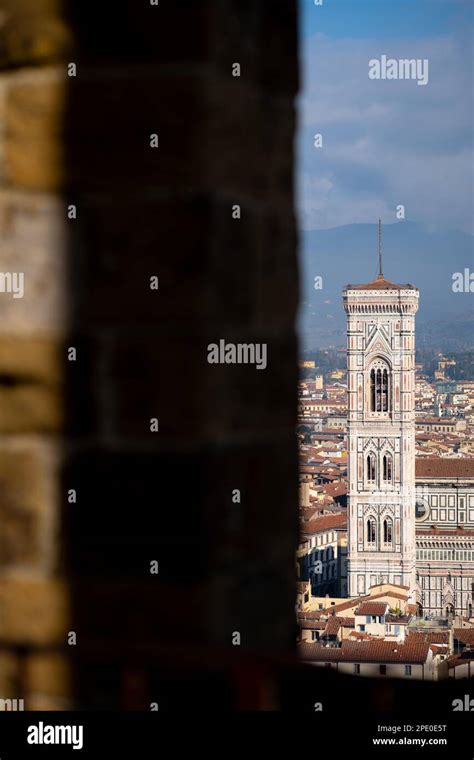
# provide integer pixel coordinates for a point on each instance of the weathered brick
(30, 374)
(27, 505)
(34, 114)
(34, 359)
(34, 236)
(33, 38)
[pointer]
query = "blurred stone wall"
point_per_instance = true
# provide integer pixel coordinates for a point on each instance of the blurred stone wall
(83, 567)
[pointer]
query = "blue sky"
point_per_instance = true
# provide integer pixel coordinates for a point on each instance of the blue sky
(386, 143)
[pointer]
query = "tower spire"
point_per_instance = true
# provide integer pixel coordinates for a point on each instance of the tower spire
(380, 277)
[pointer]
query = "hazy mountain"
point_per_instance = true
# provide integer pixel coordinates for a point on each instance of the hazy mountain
(411, 254)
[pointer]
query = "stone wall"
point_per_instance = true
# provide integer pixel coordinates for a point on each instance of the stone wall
(83, 567)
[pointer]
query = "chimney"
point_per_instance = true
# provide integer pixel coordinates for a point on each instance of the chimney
(304, 495)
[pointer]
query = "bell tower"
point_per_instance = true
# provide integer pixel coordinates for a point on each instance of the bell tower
(381, 432)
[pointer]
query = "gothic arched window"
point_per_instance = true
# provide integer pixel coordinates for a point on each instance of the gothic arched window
(387, 530)
(371, 467)
(380, 387)
(371, 528)
(387, 468)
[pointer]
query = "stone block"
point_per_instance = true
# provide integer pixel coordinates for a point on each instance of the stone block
(30, 396)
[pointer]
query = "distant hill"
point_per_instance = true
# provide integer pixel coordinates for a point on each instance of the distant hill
(411, 253)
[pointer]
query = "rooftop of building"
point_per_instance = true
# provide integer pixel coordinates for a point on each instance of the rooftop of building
(375, 651)
(443, 467)
(322, 524)
(464, 635)
(380, 283)
(372, 608)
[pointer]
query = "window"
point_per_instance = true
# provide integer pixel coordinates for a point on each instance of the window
(383, 670)
(379, 387)
(362, 628)
(387, 468)
(356, 669)
(371, 530)
(408, 670)
(315, 635)
(371, 472)
(387, 530)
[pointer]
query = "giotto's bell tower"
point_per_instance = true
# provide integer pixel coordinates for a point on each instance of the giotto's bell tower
(381, 433)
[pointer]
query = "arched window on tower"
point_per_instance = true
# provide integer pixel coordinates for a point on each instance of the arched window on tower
(371, 529)
(380, 387)
(387, 530)
(387, 468)
(371, 468)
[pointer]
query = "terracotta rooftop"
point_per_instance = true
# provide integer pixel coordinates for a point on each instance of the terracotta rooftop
(442, 467)
(328, 522)
(312, 625)
(309, 614)
(376, 651)
(372, 608)
(464, 635)
(430, 637)
(332, 626)
(380, 283)
(460, 659)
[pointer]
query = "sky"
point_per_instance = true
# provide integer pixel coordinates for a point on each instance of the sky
(393, 142)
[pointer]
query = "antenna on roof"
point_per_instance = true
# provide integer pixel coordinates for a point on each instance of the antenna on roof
(380, 251)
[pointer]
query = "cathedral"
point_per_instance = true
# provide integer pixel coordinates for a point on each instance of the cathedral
(411, 524)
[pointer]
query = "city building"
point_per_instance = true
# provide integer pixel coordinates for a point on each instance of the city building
(445, 536)
(381, 433)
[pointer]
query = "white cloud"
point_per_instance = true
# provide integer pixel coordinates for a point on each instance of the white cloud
(385, 142)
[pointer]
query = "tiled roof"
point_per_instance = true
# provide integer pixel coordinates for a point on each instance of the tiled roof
(321, 524)
(381, 284)
(460, 659)
(336, 489)
(312, 625)
(375, 651)
(437, 649)
(464, 635)
(355, 602)
(385, 651)
(332, 626)
(347, 622)
(431, 637)
(360, 636)
(443, 467)
(309, 614)
(372, 608)
(317, 653)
